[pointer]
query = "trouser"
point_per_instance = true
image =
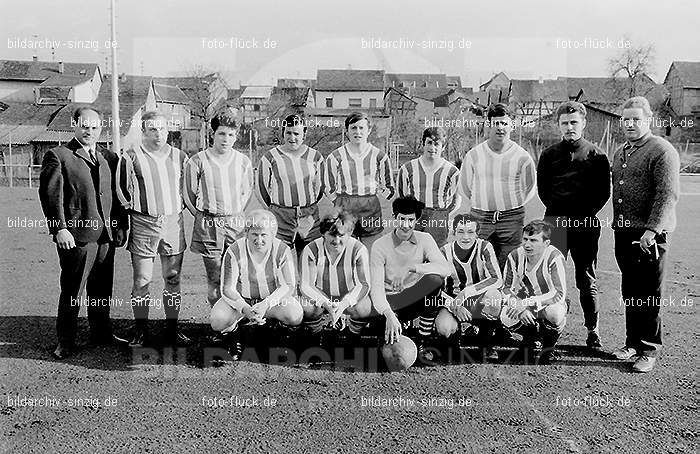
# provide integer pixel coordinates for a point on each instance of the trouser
(89, 267)
(582, 243)
(367, 211)
(435, 222)
(419, 300)
(503, 229)
(642, 280)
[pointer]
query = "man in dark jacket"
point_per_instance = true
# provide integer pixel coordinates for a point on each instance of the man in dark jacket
(573, 180)
(76, 191)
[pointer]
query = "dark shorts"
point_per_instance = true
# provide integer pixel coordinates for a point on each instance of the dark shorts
(366, 209)
(297, 223)
(503, 229)
(436, 223)
(212, 235)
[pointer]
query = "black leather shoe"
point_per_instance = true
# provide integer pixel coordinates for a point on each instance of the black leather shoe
(140, 338)
(593, 341)
(549, 357)
(110, 340)
(61, 352)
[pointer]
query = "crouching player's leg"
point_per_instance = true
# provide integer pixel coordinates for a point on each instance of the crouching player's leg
(480, 310)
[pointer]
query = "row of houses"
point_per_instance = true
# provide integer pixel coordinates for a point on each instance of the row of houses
(37, 97)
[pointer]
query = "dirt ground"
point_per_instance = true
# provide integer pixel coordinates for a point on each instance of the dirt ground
(107, 400)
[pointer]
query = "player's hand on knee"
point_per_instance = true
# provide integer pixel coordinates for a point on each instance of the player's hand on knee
(527, 317)
(393, 328)
(258, 312)
(462, 314)
(64, 239)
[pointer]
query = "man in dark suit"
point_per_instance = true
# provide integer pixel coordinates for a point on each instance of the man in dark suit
(76, 191)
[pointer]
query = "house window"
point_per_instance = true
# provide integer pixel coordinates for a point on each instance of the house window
(354, 102)
(256, 107)
(372, 102)
(329, 102)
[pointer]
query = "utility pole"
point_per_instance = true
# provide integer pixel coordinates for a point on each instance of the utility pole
(116, 148)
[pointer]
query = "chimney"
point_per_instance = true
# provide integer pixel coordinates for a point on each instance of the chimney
(541, 80)
(61, 67)
(35, 58)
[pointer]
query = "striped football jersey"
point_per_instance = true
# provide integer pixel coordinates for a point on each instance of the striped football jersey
(545, 284)
(478, 274)
(436, 188)
(291, 181)
(347, 173)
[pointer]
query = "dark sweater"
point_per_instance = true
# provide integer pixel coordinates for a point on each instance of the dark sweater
(646, 185)
(573, 179)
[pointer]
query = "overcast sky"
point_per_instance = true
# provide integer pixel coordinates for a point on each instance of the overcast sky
(529, 39)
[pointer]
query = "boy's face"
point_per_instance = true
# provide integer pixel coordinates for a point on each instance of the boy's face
(294, 136)
(259, 239)
(432, 147)
(571, 126)
(358, 132)
(335, 242)
(534, 245)
(225, 137)
(500, 128)
(406, 223)
(155, 132)
(635, 122)
(466, 234)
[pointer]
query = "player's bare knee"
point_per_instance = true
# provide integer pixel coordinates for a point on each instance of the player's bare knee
(555, 315)
(172, 278)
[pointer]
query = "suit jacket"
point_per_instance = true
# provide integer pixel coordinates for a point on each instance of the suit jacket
(78, 195)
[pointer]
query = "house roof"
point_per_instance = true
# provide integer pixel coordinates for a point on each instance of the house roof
(688, 72)
(187, 82)
(485, 84)
(22, 113)
(295, 83)
(39, 71)
(350, 80)
(257, 91)
(292, 96)
(19, 134)
(170, 94)
(432, 80)
(133, 91)
(342, 113)
(523, 91)
(430, 94)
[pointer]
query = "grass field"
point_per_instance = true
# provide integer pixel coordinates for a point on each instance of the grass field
(107, 400)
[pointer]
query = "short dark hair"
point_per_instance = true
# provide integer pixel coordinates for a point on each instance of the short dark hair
(407, 205)
(463, 219)
(150, 115)
(355, 117)
(225, 119)
(569, 107)
(337, 222)
(79, 111)
(434, 133)
(294, 120)
(537, 226)
(498, 110)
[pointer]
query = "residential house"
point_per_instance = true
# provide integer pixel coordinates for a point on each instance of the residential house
(499, 80)
(255, 100)
(295, 83)
(43, 82)
(683, 83)
(350, 89)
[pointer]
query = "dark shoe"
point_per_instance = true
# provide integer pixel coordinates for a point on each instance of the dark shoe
(139, 339)
(110, 340)
(644, 364)
(489, 354)
(218, 338)
(426, 352)
(593, 341)
(179, 340)
(235, 347)
(549, 357)
(61, 352)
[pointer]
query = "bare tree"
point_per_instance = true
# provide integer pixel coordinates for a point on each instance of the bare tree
(633, 62)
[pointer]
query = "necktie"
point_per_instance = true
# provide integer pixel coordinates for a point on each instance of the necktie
(93, 157)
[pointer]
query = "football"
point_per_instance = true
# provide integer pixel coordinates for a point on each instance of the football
(400, 355)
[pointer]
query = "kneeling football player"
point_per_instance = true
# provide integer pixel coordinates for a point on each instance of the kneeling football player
(258, 281)
(335, 277)
(534, 292)
(408, 273)
(473, 285)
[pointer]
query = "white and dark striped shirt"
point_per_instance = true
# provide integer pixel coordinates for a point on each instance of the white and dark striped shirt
(498, 181)
(346, 276)
(436, 188)
(219, 185)
(291, 181)
(543, 285)
(348, 173)
(274, 277)
(478, 274)
(151, 184)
